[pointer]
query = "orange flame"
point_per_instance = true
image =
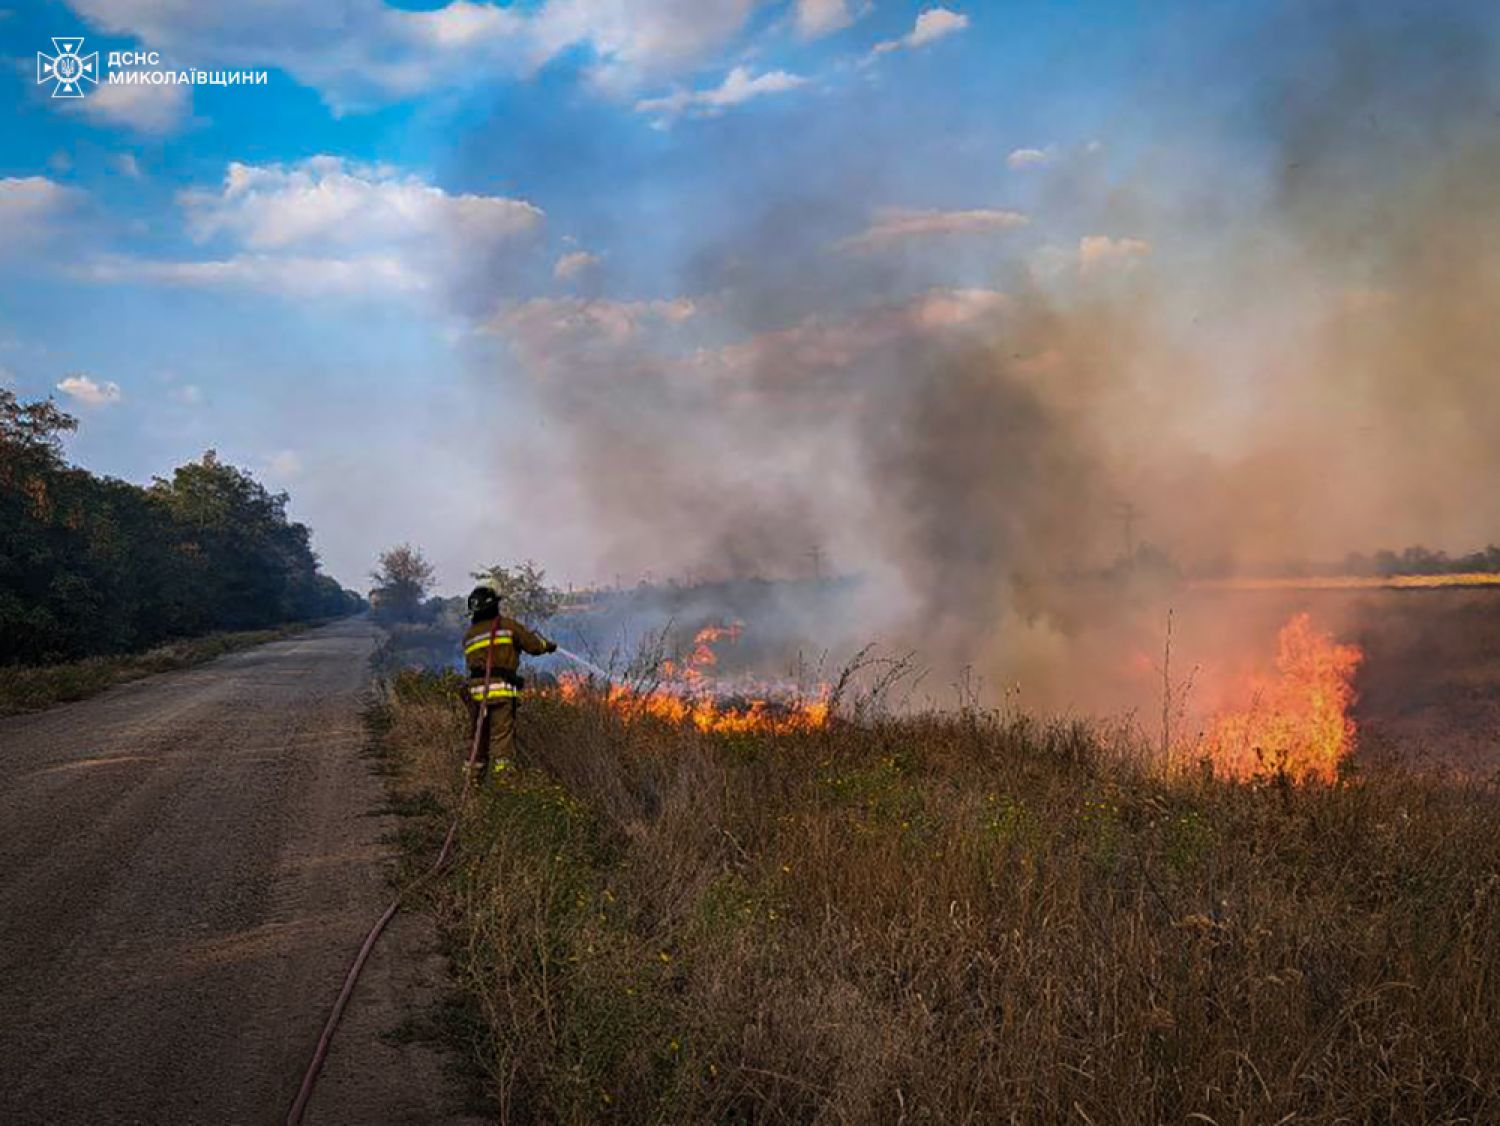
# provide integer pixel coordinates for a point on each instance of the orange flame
(1298, 721)
(691, 696)
(703, 656)
(706, 712)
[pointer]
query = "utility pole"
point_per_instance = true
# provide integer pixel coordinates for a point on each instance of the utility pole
(1128, 514)
(815, 553)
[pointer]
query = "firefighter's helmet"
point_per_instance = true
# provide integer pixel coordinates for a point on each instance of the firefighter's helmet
(484, 597)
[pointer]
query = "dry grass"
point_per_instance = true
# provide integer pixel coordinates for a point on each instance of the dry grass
(962, 918)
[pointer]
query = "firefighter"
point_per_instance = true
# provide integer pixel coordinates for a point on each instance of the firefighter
(496, 641)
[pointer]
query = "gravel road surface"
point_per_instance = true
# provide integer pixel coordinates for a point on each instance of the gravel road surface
(187, 865)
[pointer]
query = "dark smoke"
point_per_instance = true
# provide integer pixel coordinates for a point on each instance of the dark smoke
(1293, 360)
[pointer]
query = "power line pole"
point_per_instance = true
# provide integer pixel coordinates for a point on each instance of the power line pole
(815, 553)
(1128, 514)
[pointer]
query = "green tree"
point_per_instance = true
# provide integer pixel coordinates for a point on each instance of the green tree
(246, 558)
(523, 590)
(92, 565)
(402, 579)
(31, 541)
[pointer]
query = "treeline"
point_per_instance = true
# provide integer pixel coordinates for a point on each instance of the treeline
(1423, 561)
(1379, 564)
(402, 590)
(92, 565)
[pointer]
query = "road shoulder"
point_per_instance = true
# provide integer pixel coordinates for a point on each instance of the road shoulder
(390, 1062)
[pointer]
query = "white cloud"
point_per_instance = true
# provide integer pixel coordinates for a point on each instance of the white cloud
(154, 110)
(571, 265)
(954, 308)
(581, 315)
(30, 207)
(738, 87)
(638, 41)
(935, 24)
(544, 329)
(126, 164)
(816, 18)
(291, 276)
(330, 226)
(1021, 159)
(894, 225)
(359, 53)
(573, 342)
(821, 347)
(81, 388)
(24, 199)
(461, 26)
(326, 201)
(187, 394)
(931, 25)
(1096, 252)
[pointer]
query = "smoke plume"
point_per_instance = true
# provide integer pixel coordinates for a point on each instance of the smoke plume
(1293, 360)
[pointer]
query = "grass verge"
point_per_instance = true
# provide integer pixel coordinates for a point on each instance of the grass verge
(26, 688)
(960, 918)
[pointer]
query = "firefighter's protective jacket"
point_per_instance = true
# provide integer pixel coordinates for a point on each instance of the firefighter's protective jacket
(509, 639)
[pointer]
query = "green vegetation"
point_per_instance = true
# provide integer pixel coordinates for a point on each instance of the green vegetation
(402, 579)
(523, 590)
(32, 689)
(430, 645)
(951, 918)
(422, 630)
(91, 566)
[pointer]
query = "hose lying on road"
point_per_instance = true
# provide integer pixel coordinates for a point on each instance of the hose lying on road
(445, 854)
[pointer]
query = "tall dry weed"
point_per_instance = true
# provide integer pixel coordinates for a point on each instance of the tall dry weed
(958, 918)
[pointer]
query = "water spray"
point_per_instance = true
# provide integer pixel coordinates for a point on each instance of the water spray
(585, 662)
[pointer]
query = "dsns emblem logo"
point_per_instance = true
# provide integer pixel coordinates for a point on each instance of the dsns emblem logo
(67, 70)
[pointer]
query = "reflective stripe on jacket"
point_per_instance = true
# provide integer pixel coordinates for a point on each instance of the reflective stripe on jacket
(477, 645)
(498, 690)
(511, 639)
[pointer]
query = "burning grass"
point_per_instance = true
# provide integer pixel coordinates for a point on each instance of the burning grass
(1295, 723)
(689, 691)
(949, 918)
(709, 711)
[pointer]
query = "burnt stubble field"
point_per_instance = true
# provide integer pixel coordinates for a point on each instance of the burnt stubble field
(1429, 690)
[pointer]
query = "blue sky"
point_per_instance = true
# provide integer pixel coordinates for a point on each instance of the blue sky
(366, 279)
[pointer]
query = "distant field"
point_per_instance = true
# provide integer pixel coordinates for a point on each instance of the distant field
(1430, 685)
(1457, 581)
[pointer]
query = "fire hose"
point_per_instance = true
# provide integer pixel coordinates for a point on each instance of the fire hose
(445, 854)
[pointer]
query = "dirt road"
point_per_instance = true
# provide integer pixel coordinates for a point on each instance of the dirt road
(187, 864)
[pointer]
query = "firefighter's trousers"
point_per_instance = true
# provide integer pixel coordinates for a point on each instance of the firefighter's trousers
(497, 733)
